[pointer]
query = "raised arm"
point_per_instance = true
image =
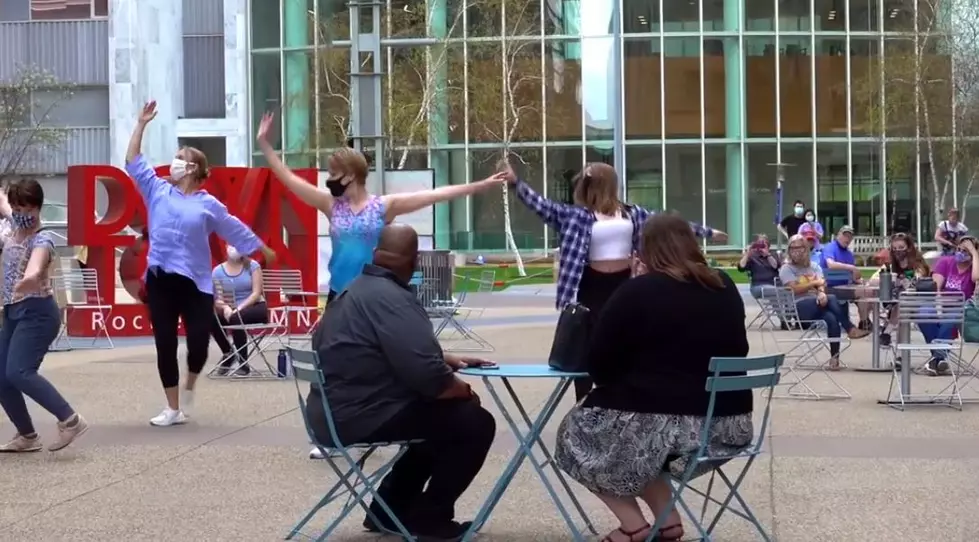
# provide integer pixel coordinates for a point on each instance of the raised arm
(137, 167)
(402, 204)
(309, 194)
(5, 210)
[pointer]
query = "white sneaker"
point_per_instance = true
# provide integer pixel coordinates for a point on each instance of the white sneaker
(169, 417)
(186, 400)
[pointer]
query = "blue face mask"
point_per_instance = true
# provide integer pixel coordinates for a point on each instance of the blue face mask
(963, 257)
(23, 221)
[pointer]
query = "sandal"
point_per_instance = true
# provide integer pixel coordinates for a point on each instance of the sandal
(677, 534)
(631, 535)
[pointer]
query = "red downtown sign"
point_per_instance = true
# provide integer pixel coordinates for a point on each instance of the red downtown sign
(254, 195)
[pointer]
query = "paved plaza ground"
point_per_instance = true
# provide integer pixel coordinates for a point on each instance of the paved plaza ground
(835, 470)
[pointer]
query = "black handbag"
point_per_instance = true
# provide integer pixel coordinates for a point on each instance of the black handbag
(569, 350)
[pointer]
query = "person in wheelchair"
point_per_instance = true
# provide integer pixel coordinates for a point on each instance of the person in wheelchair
(244, 276)
(812, 302)
(908, 268)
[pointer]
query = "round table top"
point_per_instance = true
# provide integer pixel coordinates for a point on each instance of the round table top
(515, 370)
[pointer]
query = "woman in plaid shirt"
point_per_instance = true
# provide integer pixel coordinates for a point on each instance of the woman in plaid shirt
(599, 236)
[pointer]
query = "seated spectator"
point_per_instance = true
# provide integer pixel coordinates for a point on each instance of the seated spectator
(815, 249)
(244, 276)
(805, 279)
(387, 379)
(907, 266)
(762, 268)
(957, 273)
(836, 255)
(649, 361)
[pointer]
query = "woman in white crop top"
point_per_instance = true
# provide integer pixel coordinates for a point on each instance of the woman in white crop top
(599, 234)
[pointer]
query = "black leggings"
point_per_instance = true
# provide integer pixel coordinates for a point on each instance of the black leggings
(253, 314)
(171, 298)
(594, 290)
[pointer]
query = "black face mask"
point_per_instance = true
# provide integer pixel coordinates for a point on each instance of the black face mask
(336, 187)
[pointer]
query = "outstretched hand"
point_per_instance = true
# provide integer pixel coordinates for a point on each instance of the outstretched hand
(148, 113)
(264, 127)
(508, 174)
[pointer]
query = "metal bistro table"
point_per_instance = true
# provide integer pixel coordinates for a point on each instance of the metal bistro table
(879, 305)
(528, 440)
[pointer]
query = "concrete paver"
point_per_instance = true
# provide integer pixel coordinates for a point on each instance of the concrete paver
(837, 470)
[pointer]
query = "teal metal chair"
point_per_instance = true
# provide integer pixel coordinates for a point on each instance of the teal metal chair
(354, 482)
(722, 381)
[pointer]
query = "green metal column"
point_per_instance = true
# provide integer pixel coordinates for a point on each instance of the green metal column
(733, 104)
(296, 102)
(438, 128)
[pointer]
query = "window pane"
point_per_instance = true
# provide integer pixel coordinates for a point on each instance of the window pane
(644, 176)
(265, 23)
(684, 181)
(563, 163)
(831, 91)
(795, 84)
(487, 207)
(266, 90)
(333, 75)
(60, 9)
(759, 82)
(681, 61)
(642, 88)
(100, 8)
(640, 16)
(563, 80)
(720, 197)
(763, 205)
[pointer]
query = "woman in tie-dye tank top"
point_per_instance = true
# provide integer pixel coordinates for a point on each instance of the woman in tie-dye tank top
(356, 216)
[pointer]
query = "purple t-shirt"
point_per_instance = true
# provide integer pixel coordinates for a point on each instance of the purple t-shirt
(955, 280)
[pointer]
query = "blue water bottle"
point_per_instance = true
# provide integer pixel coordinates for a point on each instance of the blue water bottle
(283, 364)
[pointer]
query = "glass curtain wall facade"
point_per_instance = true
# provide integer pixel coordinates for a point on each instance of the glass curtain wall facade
(694, 102)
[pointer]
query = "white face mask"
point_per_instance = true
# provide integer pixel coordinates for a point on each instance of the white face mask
(178, 169)
(233, 254)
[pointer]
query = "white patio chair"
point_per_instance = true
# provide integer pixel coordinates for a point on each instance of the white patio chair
(806, 373)
(78, 286)
(452, 318)
(767, 315)
(288, 285)
(261, 339)
(915, 309)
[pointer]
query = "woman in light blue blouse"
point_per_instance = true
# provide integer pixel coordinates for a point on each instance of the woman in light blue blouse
(243, 276)
(178, 268)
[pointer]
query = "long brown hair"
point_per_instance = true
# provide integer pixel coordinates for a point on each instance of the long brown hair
(915, 261)
(597, 189)
(670, 247)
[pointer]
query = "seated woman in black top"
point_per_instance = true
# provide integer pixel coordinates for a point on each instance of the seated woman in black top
(649, 359)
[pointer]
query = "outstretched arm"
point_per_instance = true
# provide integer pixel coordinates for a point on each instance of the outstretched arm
(705, 232)
(402, 204)
(137, 167)
(309, 194)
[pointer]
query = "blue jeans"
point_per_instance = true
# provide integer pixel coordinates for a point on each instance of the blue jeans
(837, 318)
(937, 331)
(29, 328)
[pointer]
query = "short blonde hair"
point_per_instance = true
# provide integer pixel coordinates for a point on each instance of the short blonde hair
(351, 162)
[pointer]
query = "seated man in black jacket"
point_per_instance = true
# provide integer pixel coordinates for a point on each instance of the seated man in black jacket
(387, 379)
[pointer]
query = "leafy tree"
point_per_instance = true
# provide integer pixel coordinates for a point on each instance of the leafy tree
(25, 131)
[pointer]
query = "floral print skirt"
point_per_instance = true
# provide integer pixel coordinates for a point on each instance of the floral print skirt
(615, 452)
